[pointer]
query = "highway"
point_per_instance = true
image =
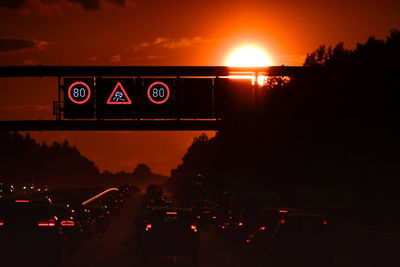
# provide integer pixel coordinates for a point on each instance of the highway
(117, 247)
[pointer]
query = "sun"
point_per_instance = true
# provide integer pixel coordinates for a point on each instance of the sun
(248, 56)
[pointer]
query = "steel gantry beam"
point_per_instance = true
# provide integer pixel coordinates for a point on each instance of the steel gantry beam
(134, 124)
(130, 71)
(111, 125)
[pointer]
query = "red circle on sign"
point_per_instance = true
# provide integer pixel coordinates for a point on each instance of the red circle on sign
(149, 95)
(84, 100)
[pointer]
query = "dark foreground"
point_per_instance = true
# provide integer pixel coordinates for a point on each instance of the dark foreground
(118, 247)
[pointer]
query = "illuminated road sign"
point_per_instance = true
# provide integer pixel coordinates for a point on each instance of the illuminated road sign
(136, 97)
(79, 92)
(117, 98)
(78, 98)
(158, 93)
(159, 98)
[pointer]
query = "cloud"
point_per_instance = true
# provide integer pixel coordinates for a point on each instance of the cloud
(10, 45)
(13, 4)
(168, 43)
(27, 7)
(28, 107)
(291, 59)
(31, 62)
(115, 58)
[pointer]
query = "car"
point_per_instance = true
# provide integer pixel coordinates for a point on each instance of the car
(261, 233)
(28, 189)
(301, 238)
(6, 189)
(30, 231)
(71, 226)
(224, 222)
(169, 231)
(102, 215)
(126, 190)
(205, 212)
(114, 204)
(85, 218)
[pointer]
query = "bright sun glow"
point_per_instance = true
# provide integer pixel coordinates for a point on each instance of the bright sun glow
(248, 56)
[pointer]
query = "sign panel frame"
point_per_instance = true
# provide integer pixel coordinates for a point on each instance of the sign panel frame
(79, 98)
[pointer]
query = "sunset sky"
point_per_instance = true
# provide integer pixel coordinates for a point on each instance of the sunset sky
(163, 32)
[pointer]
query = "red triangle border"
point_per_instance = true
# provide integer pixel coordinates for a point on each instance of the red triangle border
(128, 102)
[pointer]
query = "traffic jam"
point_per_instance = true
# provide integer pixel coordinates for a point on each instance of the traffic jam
(283, 236)
(43, 227)
(39, 227)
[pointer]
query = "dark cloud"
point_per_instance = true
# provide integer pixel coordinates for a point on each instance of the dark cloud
(85, 4)
(13, 4)
(88, 4)
(15, 45)
(96, 4)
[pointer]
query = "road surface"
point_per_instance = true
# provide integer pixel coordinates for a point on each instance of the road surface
(117, 247)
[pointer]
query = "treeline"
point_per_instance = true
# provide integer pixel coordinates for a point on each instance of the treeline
(23, 160)
(336, 126)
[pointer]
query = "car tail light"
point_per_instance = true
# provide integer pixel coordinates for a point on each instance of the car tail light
(240, 223)
(48, 223)
(198, 217)
(214, 217)
(21, 201)
(262, 228)
(101, 216)
(283, 211)
(248, 240)
(207, 211)
(148, 227)
(325, 222)
(193, 227)
(171, 212)
(283, 221)
(1, 223)
(223, 226)
(67, 223)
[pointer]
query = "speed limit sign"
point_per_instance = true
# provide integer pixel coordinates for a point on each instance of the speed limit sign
(79, 92)
(78, 98)
(158, 92)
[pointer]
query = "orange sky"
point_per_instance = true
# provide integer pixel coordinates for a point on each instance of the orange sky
(175, 32)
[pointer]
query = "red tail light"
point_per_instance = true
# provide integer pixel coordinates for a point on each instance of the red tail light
(198, 217)
(283, 211)
(214, 217)
(171, 212)
(325, 222)
(101, 216)
(21, 201)
(1, 223)
(193, 227)
(148, 227)
(262, 228)
(48, 223)
(283, 221)
(67, 223)
(240, 223)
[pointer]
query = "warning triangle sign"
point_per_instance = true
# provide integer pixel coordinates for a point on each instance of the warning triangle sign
(119, 96)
